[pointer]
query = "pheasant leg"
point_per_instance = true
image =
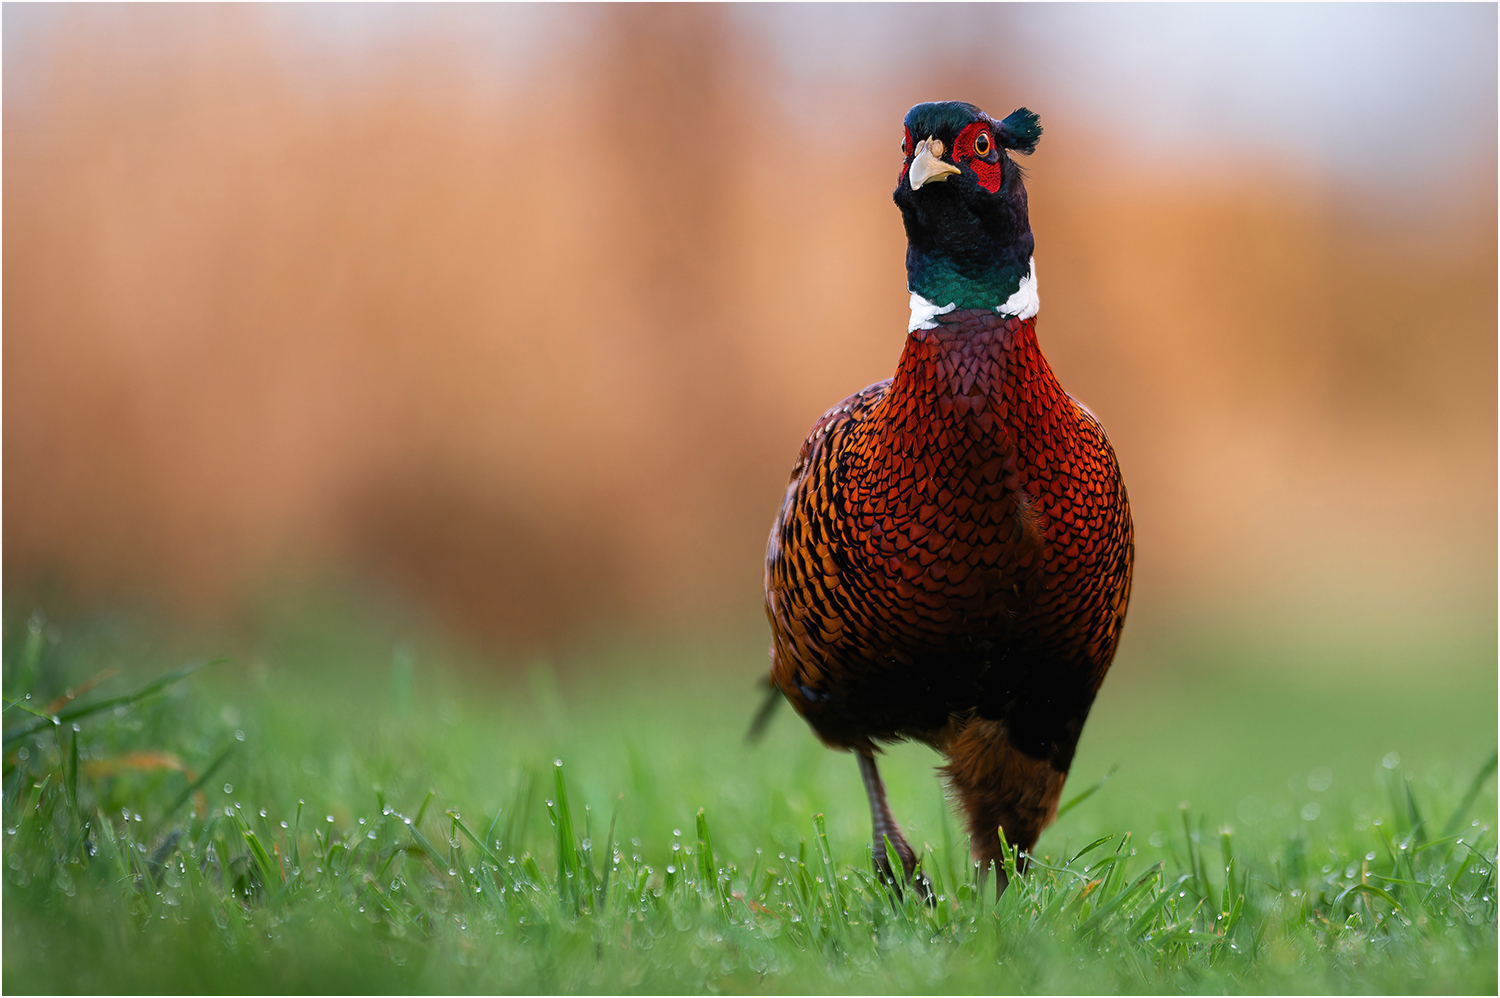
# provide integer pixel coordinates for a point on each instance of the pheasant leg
(886, 829)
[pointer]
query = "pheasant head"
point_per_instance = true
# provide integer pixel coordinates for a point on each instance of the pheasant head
(963, 202)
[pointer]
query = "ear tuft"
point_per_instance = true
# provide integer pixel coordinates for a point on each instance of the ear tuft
(1021, 130)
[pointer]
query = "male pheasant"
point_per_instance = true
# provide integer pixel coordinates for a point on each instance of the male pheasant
(952, 561)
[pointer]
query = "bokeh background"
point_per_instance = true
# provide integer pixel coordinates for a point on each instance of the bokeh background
(516, 316)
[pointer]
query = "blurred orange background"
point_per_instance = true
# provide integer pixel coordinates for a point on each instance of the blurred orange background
(521, 314)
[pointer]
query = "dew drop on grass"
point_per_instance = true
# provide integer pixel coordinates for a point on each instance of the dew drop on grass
(262, 812)
(229, 788)
(370, 835)
(283, 824)
(330, 819)
(1391, 760)
(1369, 855)
(239, 735)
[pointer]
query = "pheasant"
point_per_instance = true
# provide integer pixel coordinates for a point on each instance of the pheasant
(951, 562)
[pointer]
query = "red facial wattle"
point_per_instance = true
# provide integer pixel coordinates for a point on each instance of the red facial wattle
(907, 145)
(986, 166)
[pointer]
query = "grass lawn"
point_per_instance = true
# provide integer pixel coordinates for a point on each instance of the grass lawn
(337, 812)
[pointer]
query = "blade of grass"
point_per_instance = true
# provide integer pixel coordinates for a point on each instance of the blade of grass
(893, 858)
(1142, 922)
(70, 777)
(31, 652)
(1475, 785)
(1371, 890)
(30, 803)
(270, 874)
(708, 871)
(1008, 859)
(29, 709)
(1195, 859)
(1106, 910)
(1089, 848)
(567, 848)
(78, 691)
(609, 860)
(464, 830)
(825, 857)
(76, 711)
(1086, 794)
(422, 811)
(422, 843)
(197, 784)
(489, 836)
(1418, 826)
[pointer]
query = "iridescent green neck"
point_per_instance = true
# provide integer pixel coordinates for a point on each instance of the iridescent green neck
(941, 282)
(961, 293)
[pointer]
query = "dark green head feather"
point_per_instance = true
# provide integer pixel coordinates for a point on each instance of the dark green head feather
(944, 119)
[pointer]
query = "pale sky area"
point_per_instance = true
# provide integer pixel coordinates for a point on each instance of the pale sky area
(1361, 91)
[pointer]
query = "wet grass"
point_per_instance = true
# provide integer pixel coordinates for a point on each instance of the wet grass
(333, 812)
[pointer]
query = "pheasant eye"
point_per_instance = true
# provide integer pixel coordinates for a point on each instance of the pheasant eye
(982, 144)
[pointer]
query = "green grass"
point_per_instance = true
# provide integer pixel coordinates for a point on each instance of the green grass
(1287, 814)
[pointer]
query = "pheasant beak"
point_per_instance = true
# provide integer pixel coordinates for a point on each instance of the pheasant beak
(927, 165)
